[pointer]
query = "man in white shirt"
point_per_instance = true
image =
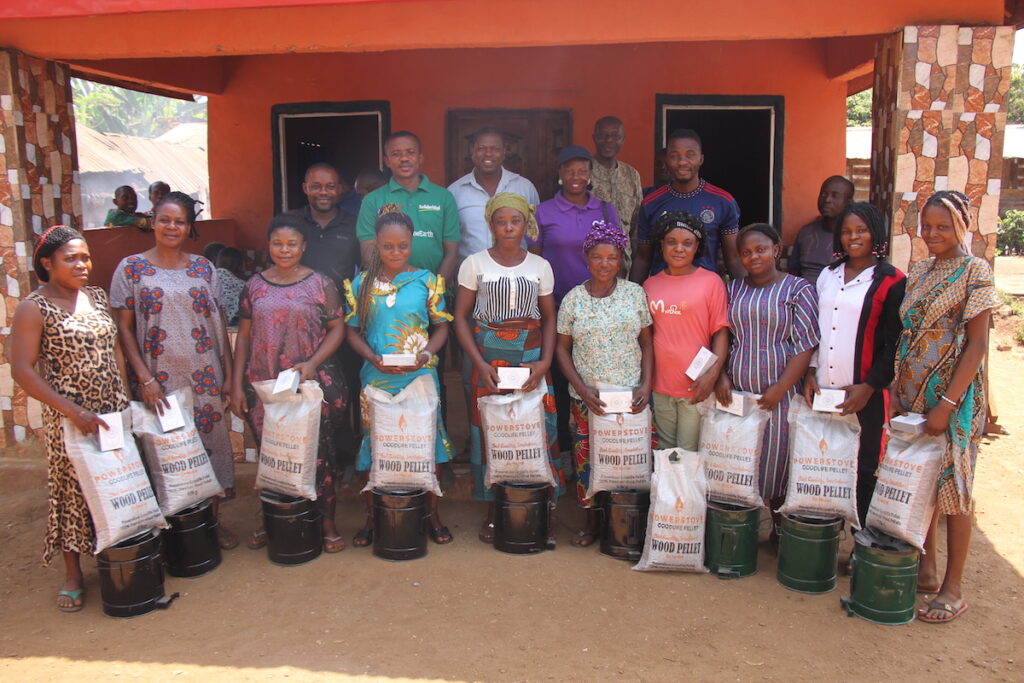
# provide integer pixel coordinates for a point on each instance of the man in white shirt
(488, 177)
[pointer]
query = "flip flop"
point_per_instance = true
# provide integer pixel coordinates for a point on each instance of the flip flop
(441, 536)
(486, 534)
(334, 544)
(944, 607)
(257, 539)
(363, 538)
(76, 605)
(226, 539)
(584, 539)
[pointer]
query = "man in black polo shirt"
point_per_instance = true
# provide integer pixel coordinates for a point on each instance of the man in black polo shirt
(330, 229)
(332, 249)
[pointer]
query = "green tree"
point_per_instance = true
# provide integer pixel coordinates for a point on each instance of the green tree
(1015, 96)
(1010, 238)
(109, 109)
(858, 109)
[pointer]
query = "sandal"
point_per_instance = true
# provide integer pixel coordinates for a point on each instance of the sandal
(936, 606)
(584, 539)
(363, 538)
(256, 540)
(226, 538)
(77, 601)
(333, 544)
(441, 535)
(486, 534)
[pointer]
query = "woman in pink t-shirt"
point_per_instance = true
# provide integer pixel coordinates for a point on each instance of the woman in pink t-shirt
(689, 308)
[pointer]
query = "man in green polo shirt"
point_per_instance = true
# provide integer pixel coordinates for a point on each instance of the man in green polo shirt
(435, 216)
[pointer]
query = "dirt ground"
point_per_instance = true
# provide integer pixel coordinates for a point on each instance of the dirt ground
(467, 612)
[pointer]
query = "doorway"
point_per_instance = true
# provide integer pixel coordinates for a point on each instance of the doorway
(532, 140)
(347, 135)
(741, 137)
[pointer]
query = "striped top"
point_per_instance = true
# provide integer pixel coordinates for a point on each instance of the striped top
(504, 293)
(770, 325)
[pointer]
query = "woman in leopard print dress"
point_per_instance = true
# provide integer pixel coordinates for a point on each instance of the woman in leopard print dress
(66, 331)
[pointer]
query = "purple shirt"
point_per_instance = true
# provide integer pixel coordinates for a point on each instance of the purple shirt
(562, 227)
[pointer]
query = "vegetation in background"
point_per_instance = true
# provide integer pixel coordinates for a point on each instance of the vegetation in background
(858, 109)
(1015, 96)
(109, 109)
(1010, 237)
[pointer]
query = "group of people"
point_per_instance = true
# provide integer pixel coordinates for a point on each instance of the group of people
(541, 285)
(126, 212)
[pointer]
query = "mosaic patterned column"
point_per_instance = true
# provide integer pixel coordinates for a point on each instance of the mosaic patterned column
(38, 188)
(939, 119)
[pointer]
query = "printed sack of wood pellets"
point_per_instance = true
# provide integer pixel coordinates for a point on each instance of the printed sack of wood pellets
(908, 482)
(403, 428)
(291, 434)
(515, 440)
(679, 505)
(114, 484)
(822, 464)
(178, 465)
(620, 452)
(730, 446)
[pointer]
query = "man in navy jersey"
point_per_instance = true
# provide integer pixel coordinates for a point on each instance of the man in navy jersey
(687, 191)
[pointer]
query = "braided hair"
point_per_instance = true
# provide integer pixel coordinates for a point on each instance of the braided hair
(671, 220)
(49, 242)
(873, 218)
(187, 204)
(959, 207)
(374, 266)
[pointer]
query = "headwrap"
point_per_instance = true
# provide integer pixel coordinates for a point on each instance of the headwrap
(49, 242)
(959, 208)
(602, 232)
(511, 200)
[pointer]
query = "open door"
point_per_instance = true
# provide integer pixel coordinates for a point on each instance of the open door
(742, 142)
(347, 135)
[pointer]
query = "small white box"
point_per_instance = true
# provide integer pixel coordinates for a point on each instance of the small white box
(911, 423)
(111, 439)
(171, 418)
(743, 403)
(617, 401)
(287, 380)
(513, 378)
(702, 362)
(827, 400)
(398, 360)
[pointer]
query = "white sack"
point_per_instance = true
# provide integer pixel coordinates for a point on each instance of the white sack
(675, 523)
(730, 446)
(620, 452)
(403, 430)
(114, 484)
(908, 482)
(822, 464)
(178, 464)
(291, 436)
(515, 439)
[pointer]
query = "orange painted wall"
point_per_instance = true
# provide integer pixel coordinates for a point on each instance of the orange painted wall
(591, 81)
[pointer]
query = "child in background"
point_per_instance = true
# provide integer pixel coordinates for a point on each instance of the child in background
(232, 280)
(126, 214)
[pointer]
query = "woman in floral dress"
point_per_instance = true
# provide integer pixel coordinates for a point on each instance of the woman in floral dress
(174, 333)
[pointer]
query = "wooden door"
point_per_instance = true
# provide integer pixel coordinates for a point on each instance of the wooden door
(532, 140)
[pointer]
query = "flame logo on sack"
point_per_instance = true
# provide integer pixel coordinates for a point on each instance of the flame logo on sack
(679, 504)
(119, 454)
(729, 434)
(823, 446)
(402, 423)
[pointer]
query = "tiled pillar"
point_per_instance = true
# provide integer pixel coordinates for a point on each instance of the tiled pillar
(939, 120)
(38, 188)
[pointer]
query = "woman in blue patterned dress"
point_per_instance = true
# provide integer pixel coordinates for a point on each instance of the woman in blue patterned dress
(774, 321)
(397, 309)
(174, 334)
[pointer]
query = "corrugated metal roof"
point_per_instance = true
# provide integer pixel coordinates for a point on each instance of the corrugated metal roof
(181, 166)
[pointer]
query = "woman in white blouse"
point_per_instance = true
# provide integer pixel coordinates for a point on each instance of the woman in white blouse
(859, 300)
(505, 317)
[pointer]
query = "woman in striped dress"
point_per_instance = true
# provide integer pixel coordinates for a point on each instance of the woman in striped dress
(505, 316)
(774, 321)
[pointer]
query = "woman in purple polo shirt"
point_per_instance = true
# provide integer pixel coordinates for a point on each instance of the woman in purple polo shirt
(562, 224)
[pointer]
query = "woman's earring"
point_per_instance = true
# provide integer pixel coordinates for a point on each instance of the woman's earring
(559, 182)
